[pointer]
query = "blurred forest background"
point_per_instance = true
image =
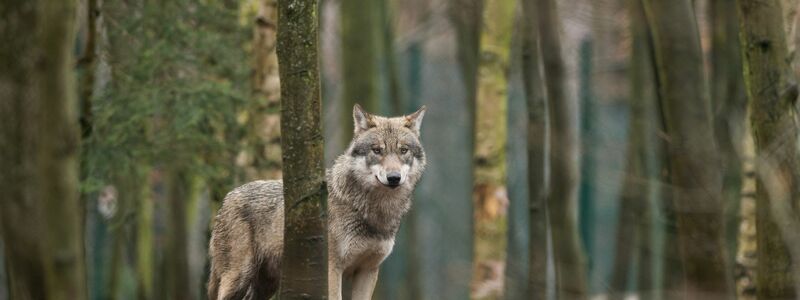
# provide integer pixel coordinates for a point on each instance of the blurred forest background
(576, 149)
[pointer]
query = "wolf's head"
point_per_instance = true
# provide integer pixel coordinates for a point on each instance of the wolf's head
(386, 152)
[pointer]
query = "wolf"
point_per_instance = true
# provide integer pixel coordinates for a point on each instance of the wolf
(369, 191)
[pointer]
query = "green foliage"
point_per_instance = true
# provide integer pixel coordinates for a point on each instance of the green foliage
(178, 78)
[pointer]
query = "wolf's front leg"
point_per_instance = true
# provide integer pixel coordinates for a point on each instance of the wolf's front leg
(334, 283)
(364, 284)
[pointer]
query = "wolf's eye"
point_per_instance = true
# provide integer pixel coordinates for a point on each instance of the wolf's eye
(403, 150)
(376, 151)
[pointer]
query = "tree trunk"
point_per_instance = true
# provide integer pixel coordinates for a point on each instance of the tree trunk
(537, 133)
(562, 203)
(361, 41)
(41, 217)
(397, 101)
(695, 173)
(633, 212)
(772, 94)
(144, 239)
(263, 153)
(466, 17)
(86, 68)
(489, 153)
(176, 258)
(644, 114)
(729, 104)
(305, 260)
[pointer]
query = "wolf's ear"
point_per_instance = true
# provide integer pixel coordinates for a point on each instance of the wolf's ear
(361, 119)
(414, 121)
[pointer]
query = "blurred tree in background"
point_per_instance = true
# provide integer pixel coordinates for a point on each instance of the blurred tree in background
(695, 175)
(568, 257)
(490, 200)
(40, 159)
(260, 157)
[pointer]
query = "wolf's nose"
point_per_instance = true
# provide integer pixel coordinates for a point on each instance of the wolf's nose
(393, 178)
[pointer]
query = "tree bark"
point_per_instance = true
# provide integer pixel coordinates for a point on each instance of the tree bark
(772, 94)
(537, 141)
(695, 173)
(263, 153)
(490, 144)
(41, 217)
(305, 260)
(570, 263)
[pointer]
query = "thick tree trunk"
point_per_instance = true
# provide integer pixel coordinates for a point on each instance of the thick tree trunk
(695, 173)
(262, 157)
(772, 94)
(537, 140)
(361, 40)
(489, 153)
(41, 217)
(570, 263)
(729, 104)
(305, 260)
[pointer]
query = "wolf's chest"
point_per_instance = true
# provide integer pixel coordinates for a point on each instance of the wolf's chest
(356, 252)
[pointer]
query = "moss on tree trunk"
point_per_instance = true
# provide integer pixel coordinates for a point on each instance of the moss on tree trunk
(305, 259)
(490, 144)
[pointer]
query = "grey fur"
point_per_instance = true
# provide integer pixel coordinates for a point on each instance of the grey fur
(364, 214)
